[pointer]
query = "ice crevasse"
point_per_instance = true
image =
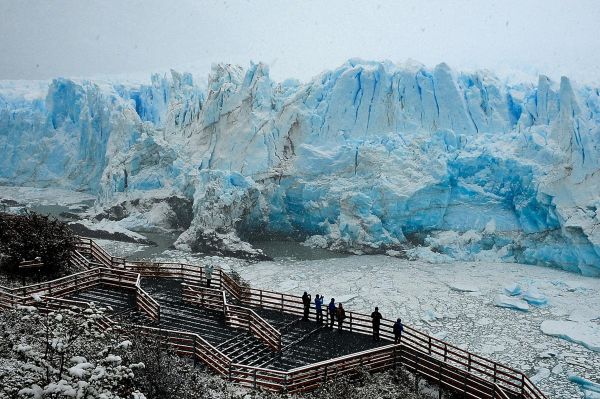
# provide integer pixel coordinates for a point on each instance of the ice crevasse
(369, 157)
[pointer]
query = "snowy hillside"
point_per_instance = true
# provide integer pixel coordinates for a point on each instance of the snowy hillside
(369, 157)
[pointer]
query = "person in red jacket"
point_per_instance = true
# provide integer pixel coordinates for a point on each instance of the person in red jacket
(341, 315)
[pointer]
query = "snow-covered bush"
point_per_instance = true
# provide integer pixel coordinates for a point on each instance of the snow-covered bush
(32, 236)
(67, 355)
(62, 355)
(397, 384)
(168, 376)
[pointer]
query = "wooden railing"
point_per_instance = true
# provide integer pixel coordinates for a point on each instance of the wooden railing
(89, 247)
(61, 286)
(145, 303)
(242, 317)
(506, 378)
(230, 285)
(46, 303)
(193, 345)
(431, 358)
(208, 298)
(235, 316)
(250, 376)
(191, 274)
(78, 261)
(73, 283)
(9, 300)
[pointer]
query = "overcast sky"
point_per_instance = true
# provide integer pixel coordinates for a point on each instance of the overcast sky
(43, 39)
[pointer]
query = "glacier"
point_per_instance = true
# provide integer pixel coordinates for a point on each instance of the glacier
(368, 158)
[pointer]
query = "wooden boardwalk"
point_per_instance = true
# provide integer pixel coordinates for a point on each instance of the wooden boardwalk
(256, 337)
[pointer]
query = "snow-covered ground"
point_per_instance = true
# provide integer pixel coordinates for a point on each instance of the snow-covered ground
(457, 302)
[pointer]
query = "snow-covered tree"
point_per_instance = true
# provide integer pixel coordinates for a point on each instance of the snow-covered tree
(63, 354)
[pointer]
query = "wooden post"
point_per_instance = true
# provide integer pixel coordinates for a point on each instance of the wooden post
(440, 380)
(401, 359)
(417, 371)
(522, 385)
(194, 355)
(469, 362)
(495, 371)
(417, 383)
(350, 321)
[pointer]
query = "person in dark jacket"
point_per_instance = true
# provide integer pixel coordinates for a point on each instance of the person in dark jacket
(376, 316)
(341, 315)
(319, 308)
(398, 328)
(331, 309)
(306, 302)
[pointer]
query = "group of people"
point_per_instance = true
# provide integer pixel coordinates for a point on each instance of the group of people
(339, 313)
(335, 312)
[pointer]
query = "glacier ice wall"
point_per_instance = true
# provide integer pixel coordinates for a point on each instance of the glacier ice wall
(371, 156)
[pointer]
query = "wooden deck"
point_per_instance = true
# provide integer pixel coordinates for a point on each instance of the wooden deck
(256, 337)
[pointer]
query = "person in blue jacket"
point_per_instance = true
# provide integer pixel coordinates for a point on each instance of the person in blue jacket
(319, 308)
(398, 328)
(331, 308)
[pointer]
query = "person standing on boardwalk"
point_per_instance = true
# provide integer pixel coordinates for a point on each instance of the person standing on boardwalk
(319, 308)
(208, 270)
(331, 309)
(398, 328)
(306, 302)
(341, 315)
(376, 316)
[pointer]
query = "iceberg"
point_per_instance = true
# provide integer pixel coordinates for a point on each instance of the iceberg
(504, 301)
(590, 389)
(533, 296)
(512, 289)
(368, 157)
(586, 334)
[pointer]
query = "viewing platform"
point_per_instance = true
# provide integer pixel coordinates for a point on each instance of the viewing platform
(255, 337)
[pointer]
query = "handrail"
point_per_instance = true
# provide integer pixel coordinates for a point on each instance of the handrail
(145, 303)
(499, 392)
(453, 362)
(507, 377)
(235, 316)
(204, 297)
(242, 317)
